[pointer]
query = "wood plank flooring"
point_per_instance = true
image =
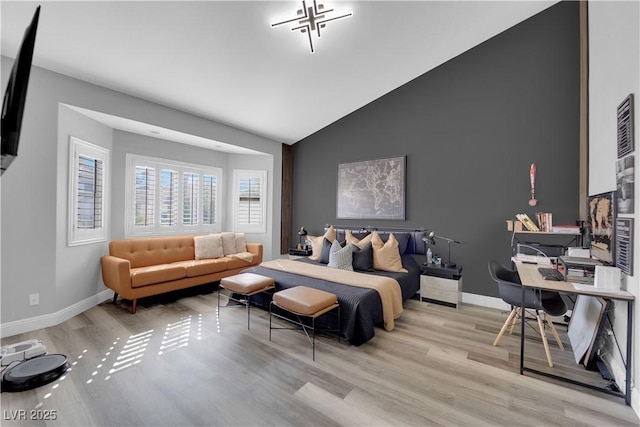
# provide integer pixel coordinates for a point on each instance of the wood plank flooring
(178, 363)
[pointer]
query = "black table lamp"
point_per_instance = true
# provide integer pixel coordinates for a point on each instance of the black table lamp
(430, 239)
(302, 233)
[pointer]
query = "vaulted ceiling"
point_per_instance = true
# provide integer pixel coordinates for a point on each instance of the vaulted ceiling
(222, 60)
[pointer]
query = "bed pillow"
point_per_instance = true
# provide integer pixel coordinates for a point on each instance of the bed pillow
(317, 243)
(209, 246)
(326, 250)
(340, 258)
(386, 256)
(362, 258)
(360, 243)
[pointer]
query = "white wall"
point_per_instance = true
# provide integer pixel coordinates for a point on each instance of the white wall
(614, 73)
(35, 258)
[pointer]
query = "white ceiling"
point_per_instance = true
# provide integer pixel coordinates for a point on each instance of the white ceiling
(221, 60)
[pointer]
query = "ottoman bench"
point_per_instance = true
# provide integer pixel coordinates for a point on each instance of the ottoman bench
(245, 285)
(304, 302)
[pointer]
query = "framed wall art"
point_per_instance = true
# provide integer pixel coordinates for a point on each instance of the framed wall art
(372, 189)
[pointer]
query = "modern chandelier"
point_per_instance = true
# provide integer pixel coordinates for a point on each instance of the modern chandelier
(312, 19)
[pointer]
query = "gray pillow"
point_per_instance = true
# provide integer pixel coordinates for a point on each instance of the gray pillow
(339, 257)
(363, 258)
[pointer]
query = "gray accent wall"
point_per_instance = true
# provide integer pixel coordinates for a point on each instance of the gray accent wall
(470, 130)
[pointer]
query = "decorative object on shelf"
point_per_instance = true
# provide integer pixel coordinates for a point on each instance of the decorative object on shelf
(302, 233)
(312, 19)
(372, 189)
(430, 239)
(532, 179)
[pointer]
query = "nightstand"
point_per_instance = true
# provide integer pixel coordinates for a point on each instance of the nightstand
(298, 253)
(441, 285)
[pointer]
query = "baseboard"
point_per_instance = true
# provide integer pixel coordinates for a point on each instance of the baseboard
(27, 325)
(485, 301)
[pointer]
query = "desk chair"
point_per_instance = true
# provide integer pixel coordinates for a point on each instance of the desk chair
(547, 302)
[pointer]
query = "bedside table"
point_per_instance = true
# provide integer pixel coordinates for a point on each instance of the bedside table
(441, 285)
(298, 253)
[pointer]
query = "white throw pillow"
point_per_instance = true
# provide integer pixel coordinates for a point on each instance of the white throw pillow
(241, 243)
(229, 243)
(209, 246)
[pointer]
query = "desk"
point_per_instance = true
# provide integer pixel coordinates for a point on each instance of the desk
(531, 278)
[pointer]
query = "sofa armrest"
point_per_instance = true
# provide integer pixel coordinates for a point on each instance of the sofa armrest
(256, 250)
(116, 273)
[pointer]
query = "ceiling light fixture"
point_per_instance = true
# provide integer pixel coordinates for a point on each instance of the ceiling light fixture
(312, 19)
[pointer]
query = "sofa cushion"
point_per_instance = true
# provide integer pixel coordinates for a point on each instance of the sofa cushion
(143, 276)
(142, 252)
(201, 267)
(236, 263)
(209, 246)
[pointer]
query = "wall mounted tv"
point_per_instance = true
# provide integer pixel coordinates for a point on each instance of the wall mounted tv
(15, 95)
(601, 211)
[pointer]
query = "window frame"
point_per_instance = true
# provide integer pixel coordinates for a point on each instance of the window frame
(181, 168)
(80, 236)
(260, 227)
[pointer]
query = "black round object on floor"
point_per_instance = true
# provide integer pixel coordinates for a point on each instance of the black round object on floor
(34, 372)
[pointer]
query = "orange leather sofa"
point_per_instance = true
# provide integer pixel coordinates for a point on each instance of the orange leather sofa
(142, 267)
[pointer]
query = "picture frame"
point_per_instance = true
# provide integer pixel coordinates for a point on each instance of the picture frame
(624, 245)
(601, 217)
(625, 127)
(372, 189)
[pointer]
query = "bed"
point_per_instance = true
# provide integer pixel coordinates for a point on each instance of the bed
(361, 308)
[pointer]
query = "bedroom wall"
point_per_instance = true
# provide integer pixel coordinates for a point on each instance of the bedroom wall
(614, 73)
(470, 130)
(35, 258)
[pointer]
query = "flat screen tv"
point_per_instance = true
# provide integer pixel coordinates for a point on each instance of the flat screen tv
(601, 211)
(15, 95)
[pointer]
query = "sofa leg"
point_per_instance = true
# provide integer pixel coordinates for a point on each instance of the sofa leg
(115, 297)
(134, 306)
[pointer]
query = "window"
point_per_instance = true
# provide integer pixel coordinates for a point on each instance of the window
(87, 192)
(250, 204)
(165, 196)
(209, 196)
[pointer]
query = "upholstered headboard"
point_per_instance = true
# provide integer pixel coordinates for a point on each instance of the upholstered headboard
(415, 245)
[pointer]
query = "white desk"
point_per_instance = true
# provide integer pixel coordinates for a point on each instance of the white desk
(531, 278)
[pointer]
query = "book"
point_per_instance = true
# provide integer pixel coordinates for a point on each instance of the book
(545, 221)
(527, 222)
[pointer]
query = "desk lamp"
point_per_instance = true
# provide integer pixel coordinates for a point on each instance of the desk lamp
(429, 238)
(302, 233)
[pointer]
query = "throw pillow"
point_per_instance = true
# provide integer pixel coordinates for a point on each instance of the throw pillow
(228, 243)
(317, 243)
(326, 249)
(209, 246)
(340, 258)
(363, 258)
(386, 256)
(240, 243)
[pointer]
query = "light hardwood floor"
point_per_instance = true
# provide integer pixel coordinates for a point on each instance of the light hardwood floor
(177, 362)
